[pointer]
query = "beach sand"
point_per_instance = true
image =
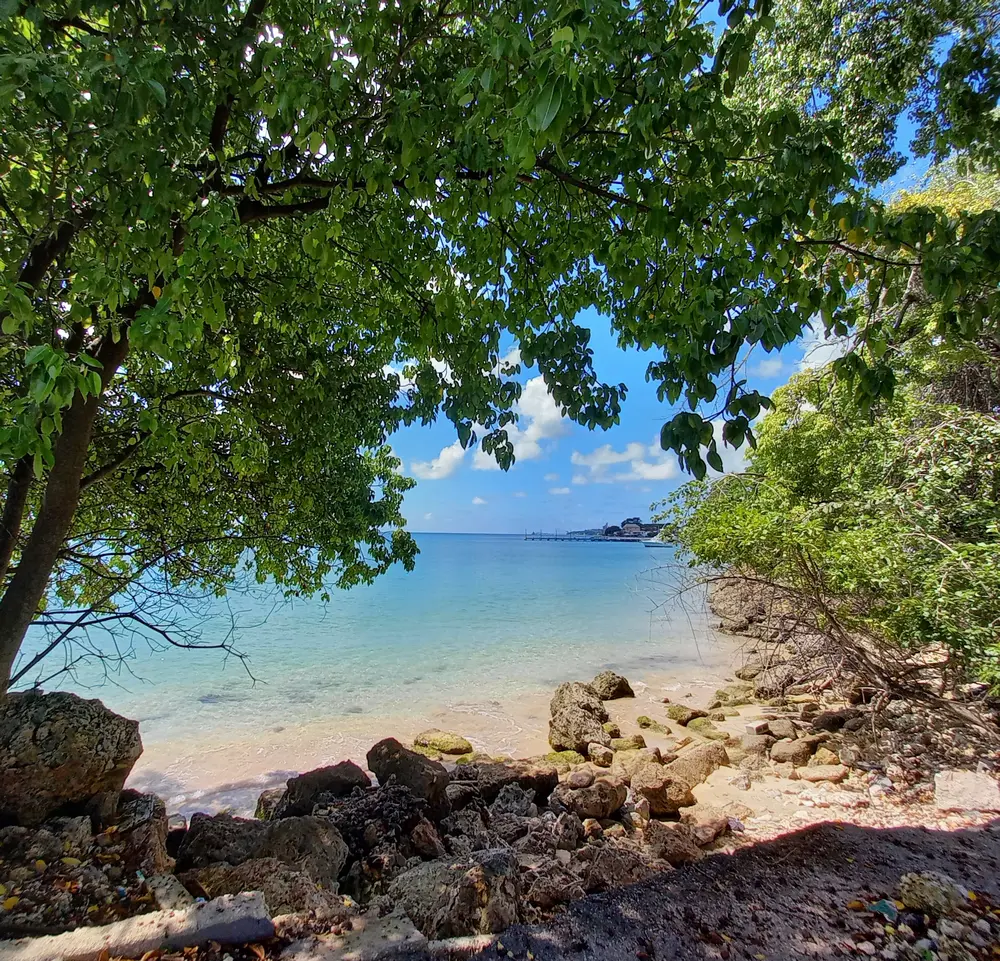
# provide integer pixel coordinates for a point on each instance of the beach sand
(221, 772)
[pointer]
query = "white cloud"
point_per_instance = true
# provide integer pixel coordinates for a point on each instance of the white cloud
(539, 419)
(444, 465)
(558, 490)
(645, 463)
(508, 362)
(520, 494)
(768, 367)
(818, 349)
(478, 501)
(551, 477)
(428, 516)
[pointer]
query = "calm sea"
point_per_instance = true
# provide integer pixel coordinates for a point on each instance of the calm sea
(481, 616)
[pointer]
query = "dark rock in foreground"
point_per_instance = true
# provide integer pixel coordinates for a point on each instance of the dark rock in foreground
(62, 755)
(427, 779)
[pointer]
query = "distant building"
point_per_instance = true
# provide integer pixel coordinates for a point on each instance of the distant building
(632, 527)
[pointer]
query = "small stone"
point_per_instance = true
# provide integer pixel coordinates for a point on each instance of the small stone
(612, 730)
(823, 756)
(579, 778)
(443, 741)
(592, 828)
(684, 715)
(602, 756)
(798, 752)
(741, 781)
(634, 742)
(823, 772)
(782, 728)
(866, 947)
(648, 724)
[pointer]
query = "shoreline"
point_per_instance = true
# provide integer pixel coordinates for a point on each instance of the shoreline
(219, 772)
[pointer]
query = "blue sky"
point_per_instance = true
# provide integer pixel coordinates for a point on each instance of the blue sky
(566, 477)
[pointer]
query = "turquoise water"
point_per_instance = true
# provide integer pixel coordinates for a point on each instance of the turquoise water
(481, 616)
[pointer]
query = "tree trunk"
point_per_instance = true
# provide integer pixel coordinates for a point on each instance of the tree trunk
(13, 511)
(55, 516)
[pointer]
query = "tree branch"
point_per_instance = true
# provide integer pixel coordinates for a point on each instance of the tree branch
(13, 511)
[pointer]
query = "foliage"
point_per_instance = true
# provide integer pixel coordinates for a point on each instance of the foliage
(224, 227)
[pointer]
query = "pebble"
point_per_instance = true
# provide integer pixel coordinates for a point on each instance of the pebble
(866, 947)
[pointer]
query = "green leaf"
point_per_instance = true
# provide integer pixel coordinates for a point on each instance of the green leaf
(158, 91)
(546, 108)
(562, 35)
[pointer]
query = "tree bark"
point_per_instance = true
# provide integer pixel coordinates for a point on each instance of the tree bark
(13, 511)
(27, 587)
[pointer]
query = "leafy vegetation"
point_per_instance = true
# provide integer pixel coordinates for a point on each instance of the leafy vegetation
(243, 242)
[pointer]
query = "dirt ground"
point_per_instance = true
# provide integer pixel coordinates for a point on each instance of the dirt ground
(779, 900)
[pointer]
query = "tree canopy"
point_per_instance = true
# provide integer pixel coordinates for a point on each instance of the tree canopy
(224, 227)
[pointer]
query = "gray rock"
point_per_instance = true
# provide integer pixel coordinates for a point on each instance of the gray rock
(567, 831)
(514, 799)
(757, 744)
(795, 752)
(600, 800)
(62, 755)
(427, 779)
(614, 866)
(610, 686)
(666, 793)
(834, 720)
(673, 843)
(451, 898)
(142, 833)
(267, 803)
(601, 756)
(695, 765)
(782, 728)
(302, 792)
(490, 778)
(285, 890)
(577, 718)
(966, 791)
(550, 885)
(426, 841)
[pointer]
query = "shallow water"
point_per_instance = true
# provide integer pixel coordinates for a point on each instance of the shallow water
(475, 637)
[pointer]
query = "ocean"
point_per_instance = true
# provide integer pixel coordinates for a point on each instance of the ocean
(477, 635)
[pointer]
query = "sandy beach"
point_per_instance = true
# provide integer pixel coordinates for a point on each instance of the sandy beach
(219, 771)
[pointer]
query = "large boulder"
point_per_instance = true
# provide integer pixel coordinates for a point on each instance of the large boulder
(446, 899)
(302, 792)
(490, 778)
(62, 755)
(599, 800)
(666, 793)
(142, 833)
(625, 763)
(427, 779)
(610, 686)
(695, 765)
(310, 844)
(285, 890)
(578, 718)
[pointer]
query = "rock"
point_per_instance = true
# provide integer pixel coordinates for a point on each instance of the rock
(567, 831)
(834, 720)
(62, 755)
(756, 744)
(551, 885)
(704, 727)
(966, 791)
(468, 824)
(823, 756)
(285, 890)
(612, 730)
(302, 792)
(741, 781)
(443, 742)
(366, 938)
(930, 891)
(783, 728)
(796, 752)
(705, 823)
(142, 833)
(579, 778)
(648, 724)
(823, 772)
(626, 762)
(600, 800)
(752, 666)
(490, 778)
(671, 842)
(615, 865)
(592, 829)
(754, 728)
(462, 793)
(772, 681)
(514, 799)
(426, 779)
(684, 715)
(267, 803)
(386, 814)
(447, 899)
(562, 761)
(578, 718)
(665, 792)
(308, 844)
(426, 841)
(633, 742)
(735, 695)
(696, 764)
(600, 755)
(610, 686)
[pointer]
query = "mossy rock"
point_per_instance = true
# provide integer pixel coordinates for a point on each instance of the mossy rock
(612, 729)
(735, 695)
(648, 724)
(442, 741)
(683, 714)
(704, 727)
(633, 742)
(427, 752)
(563, 761)
(473, 757)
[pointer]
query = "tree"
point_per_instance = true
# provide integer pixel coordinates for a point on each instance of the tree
(225, 227)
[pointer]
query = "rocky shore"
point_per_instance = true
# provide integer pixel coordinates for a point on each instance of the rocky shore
(434, 847)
